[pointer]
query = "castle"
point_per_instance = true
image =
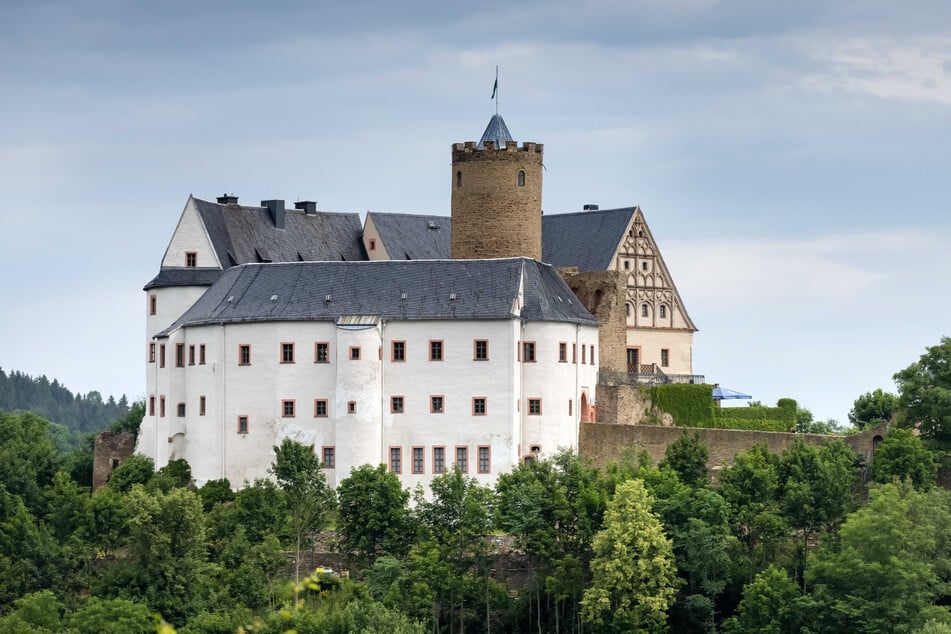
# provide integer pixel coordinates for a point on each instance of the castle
(421, 342)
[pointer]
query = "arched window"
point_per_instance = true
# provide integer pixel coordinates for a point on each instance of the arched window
(663, 311)
(459, 179)
(645, 311)
(521, 178)
(628, 310)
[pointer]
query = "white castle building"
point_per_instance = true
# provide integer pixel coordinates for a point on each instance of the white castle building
(419, 342)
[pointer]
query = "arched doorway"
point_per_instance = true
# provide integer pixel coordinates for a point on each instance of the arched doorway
(585, 409)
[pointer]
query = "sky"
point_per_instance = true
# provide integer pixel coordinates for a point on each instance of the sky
(791, 157)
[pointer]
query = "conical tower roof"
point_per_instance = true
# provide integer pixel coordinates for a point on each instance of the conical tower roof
(496, 132)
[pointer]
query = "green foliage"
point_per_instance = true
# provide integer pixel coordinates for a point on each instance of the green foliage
(873, 409)
(131, 420)
(690, 405)
(136, 469)
(766, 607)
(215, 492)
(902, 456)
(177, 473)
(37, 613)
(891, 568)
(28, 458)
(634, 579)
(757, 417)
(373, 516)
(924, 393)
(51, 400)
(687, 456)
(112, 616)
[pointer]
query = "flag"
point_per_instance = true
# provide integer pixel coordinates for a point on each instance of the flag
(495, 88)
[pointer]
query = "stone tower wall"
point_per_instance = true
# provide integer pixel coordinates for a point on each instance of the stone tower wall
(492, 216)
(109, 449)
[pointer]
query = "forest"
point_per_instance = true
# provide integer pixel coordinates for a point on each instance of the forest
(809, 540)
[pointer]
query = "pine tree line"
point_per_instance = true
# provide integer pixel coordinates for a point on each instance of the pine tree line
(53, 401)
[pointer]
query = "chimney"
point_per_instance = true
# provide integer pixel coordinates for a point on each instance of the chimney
(227, 199)
(590, 207)
(309, 206)
(276, 208)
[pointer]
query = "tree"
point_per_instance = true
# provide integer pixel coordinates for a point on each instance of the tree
(873, 409)
(892, 568)
(136, 469)
(765, 607)
(28, 459)
(924, 393)
(688, 457)
(373, 514)
(634, 577)
(902, 456)
(37, 613)
(112, 616)
(309, 501)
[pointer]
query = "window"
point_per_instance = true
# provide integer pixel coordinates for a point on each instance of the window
(396, 459)
(663, 311)
(484, 462)
(458, 179)
(528, 351)
(242, 424)
(435, 404)
(151, 406)
(354, 353)
(351, 407)
(584, 353)
(329, 458)
(201, 405)
(562, 352)
(151, 353)
(645, 311)
(399, 351)
(179, 355)
(628, 308)
(627, 265)
(574, 353)
(480, 350)
(644, 266)
(664, 357)
(633, 359)
(570, 406)
(153, 304)
(418, 462)
(287, 353)
(534, 407)
(180, 410)
(592, 354)
(191, 259)
(396, 404)
(462, 459)
(435, 350)
(162, 406)
(320, 407)
(520, 179)
(191, 355)
(439, 459)
(201, 354)
(535, 450)
(478, 406)
(287, 408)
(372, 244)
(244, 354)
(321, 352)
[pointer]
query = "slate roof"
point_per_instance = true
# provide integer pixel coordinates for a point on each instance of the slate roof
(241, 235)
(184, 276)
(433, 289)
(496, 131)
(588, 239)
(414, 237)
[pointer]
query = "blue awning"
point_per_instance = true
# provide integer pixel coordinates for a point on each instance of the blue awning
(720, 393)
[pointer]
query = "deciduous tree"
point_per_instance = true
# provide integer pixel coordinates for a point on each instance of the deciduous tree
(924, 392)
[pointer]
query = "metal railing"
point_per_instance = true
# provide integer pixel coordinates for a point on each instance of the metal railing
(652, 377)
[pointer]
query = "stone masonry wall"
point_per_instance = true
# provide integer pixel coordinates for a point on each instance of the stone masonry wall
(109, 450)
(492, 216)
(603, 293)
(602, 444)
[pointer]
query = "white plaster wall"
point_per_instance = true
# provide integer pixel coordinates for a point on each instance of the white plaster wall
(679, 342)
(370, 233)
(190, 235)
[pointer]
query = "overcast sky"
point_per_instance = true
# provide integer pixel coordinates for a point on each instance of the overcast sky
(791, 157)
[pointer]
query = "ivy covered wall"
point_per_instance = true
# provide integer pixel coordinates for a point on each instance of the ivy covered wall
(693, 406)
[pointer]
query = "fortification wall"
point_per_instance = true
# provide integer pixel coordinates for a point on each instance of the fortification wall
(109, 450)
(602, 444)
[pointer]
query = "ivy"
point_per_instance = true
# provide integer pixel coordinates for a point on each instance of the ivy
(693, 406)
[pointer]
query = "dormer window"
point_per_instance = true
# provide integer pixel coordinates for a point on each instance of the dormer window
(521, 178)
(191, 259)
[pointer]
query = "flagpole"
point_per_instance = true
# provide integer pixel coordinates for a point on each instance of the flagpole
(496, 90)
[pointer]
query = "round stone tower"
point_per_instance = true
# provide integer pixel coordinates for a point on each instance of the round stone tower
(496, 196)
